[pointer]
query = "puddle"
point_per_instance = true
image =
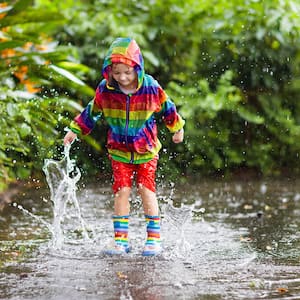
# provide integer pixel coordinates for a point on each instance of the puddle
(221, 240)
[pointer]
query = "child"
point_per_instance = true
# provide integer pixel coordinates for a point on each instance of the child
(130, 101)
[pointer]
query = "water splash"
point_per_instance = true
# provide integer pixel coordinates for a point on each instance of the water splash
(177, 218)
(62, 177)
(24, 210)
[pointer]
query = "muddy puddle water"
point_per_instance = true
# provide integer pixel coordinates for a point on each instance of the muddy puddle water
(222, 240)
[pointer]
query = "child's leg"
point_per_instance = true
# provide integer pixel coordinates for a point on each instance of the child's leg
(153, 244)
(122, 206)
(121, 223)
(121, 234)
(122, 174)
(146, 189)
(150, 204)
(145, 179)
(149, 200)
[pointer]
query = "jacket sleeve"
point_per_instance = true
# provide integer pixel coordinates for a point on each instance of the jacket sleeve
(85, 122)
(171, 118)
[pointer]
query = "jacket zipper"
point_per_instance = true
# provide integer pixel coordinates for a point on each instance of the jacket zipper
(126, 127)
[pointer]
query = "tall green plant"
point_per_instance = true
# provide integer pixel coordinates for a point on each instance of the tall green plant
(36, 88)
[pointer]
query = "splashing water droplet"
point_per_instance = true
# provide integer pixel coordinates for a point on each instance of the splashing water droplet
(177, 218)
(62, 177)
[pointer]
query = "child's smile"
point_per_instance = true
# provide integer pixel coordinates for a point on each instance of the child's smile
(125, 76)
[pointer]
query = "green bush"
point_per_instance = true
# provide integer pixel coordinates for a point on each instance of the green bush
(232, 67)
(37, 90)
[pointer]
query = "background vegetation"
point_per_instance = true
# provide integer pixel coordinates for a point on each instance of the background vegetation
(232, 67)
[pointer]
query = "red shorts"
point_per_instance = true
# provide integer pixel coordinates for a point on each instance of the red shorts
(144, 174)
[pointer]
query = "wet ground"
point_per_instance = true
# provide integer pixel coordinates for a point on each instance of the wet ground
(222, 240)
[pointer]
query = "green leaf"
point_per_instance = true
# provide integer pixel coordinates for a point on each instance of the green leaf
(67, 75)
(24, 130)
(12, 109)
(23, 172)
(249, 116)
(3, 156)
(151, 58)
(20, 6)
(11, 44)
(67, 103)
(71, 66)
(32, 16)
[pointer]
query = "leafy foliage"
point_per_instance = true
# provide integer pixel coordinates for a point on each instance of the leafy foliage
(34, 89)
(232, 67)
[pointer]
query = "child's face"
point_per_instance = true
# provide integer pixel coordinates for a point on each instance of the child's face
(125, 75)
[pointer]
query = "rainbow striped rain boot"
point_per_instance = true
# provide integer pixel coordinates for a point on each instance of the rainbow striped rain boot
(153, 243)
(120, 245)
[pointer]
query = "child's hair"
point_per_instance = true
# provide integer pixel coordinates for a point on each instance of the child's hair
(110, 79)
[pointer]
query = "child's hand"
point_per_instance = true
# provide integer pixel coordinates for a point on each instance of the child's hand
(69, 138)
(178, 136)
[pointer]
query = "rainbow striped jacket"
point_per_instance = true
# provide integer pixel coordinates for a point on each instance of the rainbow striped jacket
(132, 134)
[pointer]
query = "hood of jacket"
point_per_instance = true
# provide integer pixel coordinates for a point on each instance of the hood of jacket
(126, 51)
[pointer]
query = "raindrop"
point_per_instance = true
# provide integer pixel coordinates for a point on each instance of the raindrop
(297, 197)
(238, 188)
(263, 188)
